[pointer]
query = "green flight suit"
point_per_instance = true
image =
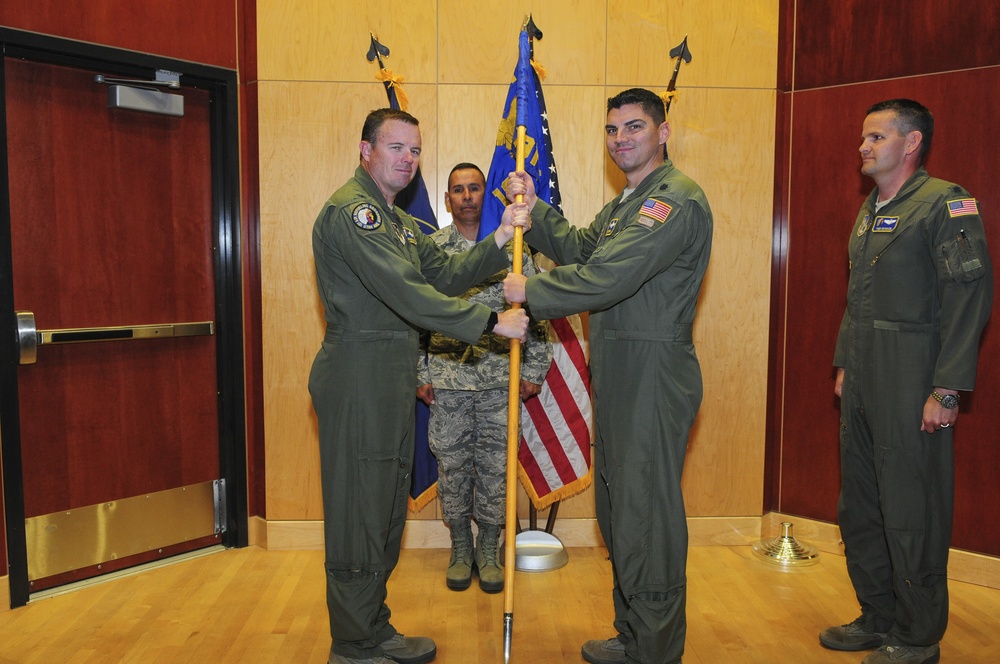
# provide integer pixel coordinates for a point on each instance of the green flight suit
(638, 269)
(380, 279)
(919, 295)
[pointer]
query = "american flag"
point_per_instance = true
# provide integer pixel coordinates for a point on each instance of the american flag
(962, 207)
(655, 209)
(554, 459)
(554, 454)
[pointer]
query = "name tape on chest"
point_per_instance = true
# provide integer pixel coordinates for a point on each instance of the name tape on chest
(885, 224)
(366, 216)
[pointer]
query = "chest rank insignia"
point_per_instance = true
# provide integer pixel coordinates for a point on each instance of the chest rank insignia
(962, 207)
(885, 224)
(367, 217)
(863, 228)
(653, 209)
(611, 227)
(409, 236)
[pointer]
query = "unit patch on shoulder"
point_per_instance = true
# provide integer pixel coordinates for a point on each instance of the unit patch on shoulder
(654, 209)
(885, 224)
(962, 207)
(366, 216)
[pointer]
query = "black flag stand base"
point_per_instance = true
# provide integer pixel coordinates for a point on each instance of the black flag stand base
(539, 550)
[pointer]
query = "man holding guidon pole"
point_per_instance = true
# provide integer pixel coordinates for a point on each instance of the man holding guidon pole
(638, 268)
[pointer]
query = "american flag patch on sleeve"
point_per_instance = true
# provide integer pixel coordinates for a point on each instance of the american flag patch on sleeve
(962, 207)
(655, 210)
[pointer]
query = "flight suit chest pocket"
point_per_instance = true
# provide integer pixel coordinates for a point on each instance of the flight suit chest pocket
(959, 260)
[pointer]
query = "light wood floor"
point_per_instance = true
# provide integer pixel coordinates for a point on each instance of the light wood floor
(251, 605)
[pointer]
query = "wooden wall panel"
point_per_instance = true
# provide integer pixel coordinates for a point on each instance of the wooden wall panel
(724, 140)
(722, 136)
(826, 191)
(733, 44)
(304, 159)
(856, 40)
(571, 48)
(319, 40)
(776, 332)
(192, 30)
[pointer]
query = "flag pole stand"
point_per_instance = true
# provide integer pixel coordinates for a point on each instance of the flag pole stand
(785, 550)
(539, 550)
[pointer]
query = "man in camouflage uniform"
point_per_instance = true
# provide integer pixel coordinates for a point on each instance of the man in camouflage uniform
(466, 386)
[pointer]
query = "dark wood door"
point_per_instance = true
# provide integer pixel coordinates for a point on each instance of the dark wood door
(111, 228)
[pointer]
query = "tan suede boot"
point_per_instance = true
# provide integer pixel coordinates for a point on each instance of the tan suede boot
(459, 576)
(490, 571)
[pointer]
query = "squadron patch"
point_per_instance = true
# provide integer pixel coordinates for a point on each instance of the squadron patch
(962, 207)
(863, 228)
(611, 227)
(885, 224)
(409, 236)
(366, 216)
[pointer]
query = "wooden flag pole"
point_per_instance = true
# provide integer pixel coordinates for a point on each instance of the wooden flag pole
(513, 433)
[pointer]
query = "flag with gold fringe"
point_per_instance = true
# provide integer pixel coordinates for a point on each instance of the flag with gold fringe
(554, 457)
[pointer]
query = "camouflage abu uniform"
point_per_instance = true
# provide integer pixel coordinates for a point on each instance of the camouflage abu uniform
(468, 420)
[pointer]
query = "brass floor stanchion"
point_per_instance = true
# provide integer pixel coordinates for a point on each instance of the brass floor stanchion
(785, 550)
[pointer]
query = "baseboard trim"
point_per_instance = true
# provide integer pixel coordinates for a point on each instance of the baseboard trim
(433, 533)
(963, 566)
(257, 532)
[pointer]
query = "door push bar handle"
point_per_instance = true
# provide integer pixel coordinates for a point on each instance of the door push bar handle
(29, 338)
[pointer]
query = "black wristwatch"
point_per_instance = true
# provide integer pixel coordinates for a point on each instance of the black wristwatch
(949, 401)
(491, 322)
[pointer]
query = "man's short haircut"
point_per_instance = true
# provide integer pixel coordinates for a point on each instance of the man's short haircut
(465, 165)
(378, 117)
(650, 102)
(910, 116)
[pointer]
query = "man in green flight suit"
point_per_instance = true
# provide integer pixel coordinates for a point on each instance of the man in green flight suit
(638, 269)
(919, 294)
(381, 281)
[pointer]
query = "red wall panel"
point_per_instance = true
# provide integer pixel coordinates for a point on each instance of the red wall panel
(197, 30)
(853, 41)
(826, 190)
